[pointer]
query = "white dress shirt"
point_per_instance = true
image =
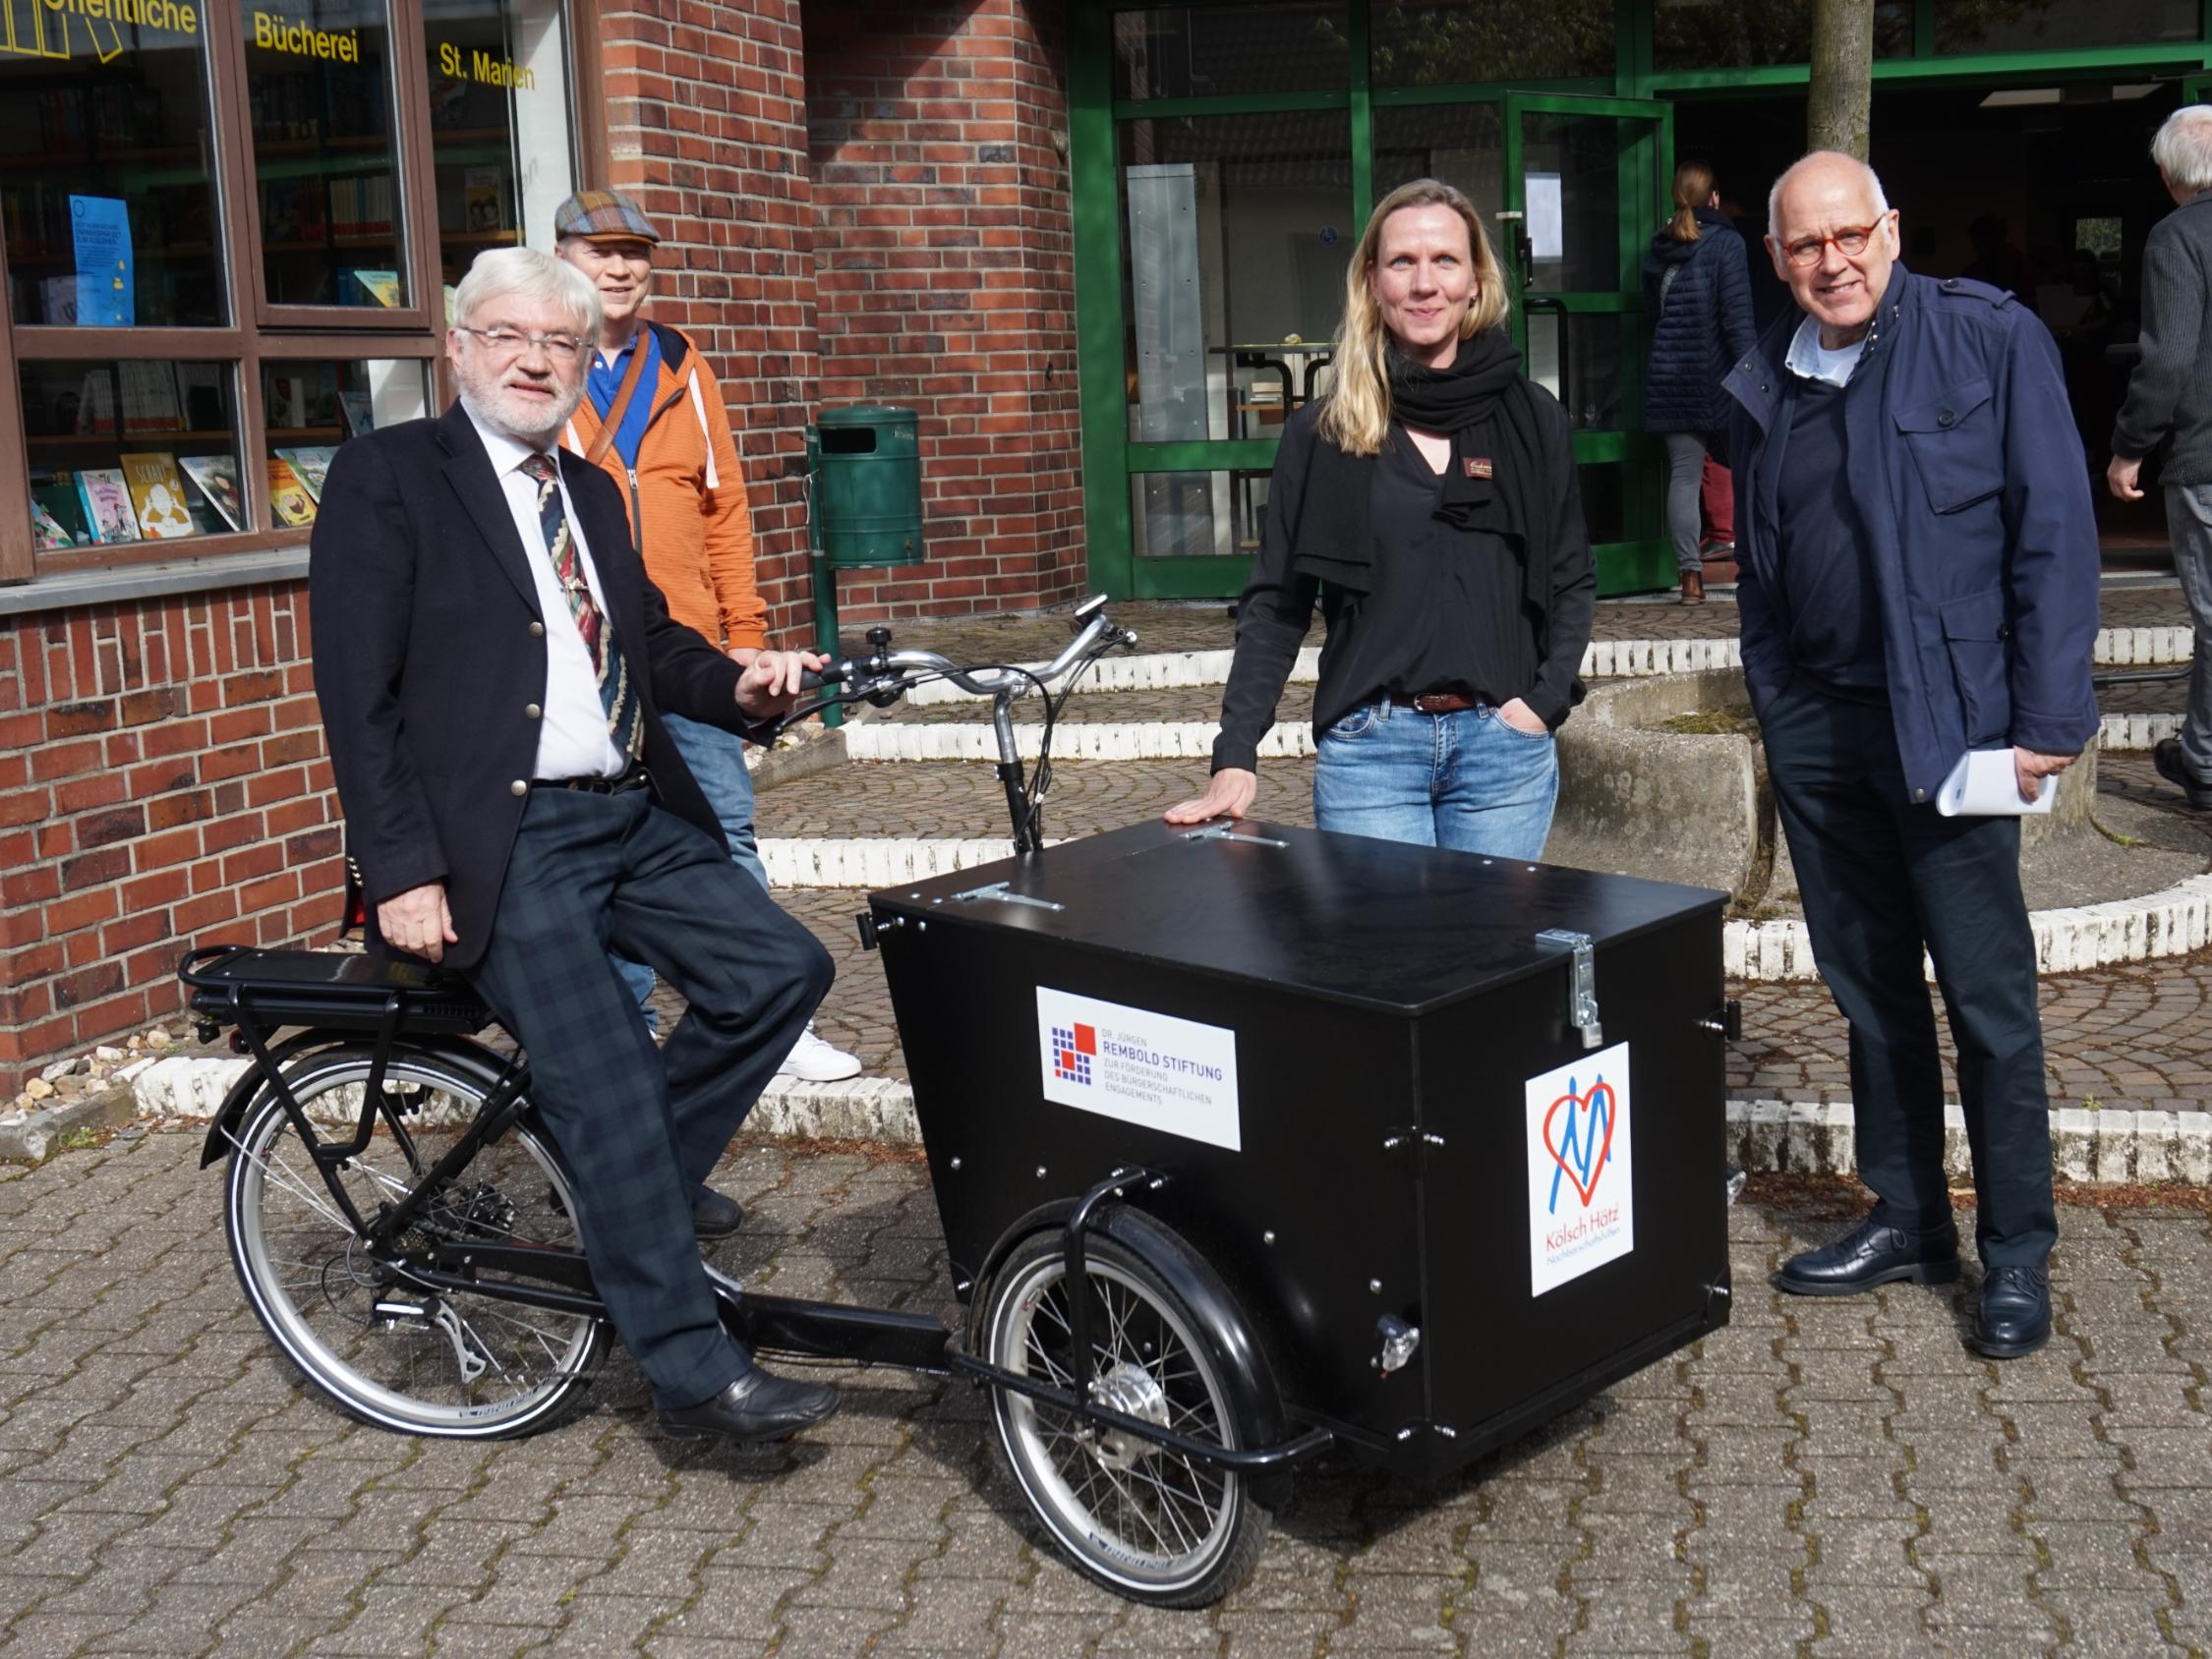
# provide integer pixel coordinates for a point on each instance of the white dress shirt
(572, 736)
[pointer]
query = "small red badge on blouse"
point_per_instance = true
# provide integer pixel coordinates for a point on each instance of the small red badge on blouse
(1477, 466)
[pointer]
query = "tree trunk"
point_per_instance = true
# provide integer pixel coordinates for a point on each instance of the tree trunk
(1843, 86)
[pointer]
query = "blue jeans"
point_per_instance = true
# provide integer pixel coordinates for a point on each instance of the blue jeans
(716, 759)
(1464, 780)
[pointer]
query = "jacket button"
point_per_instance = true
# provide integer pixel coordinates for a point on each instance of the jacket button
(536, 630)
(1920, 794)
(1945, 418)
(531, 711)
(518, 787)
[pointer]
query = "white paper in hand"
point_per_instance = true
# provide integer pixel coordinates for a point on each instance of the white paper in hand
(1984, 784)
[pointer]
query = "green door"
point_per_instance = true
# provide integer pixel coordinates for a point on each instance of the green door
(1586, 184)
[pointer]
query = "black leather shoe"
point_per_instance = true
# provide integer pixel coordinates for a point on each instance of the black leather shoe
(2173, 767)
(755, 1408)
(2014, 1317)
(715, 1217)
(1871, 1254)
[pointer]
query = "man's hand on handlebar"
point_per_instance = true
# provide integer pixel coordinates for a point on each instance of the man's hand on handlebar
(1229, 794)
(771, 682)
(417, 922)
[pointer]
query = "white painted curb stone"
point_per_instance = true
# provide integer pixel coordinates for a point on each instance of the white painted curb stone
(2090, 1147)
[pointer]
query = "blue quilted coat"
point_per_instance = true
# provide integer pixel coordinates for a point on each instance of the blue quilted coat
(1703, 326)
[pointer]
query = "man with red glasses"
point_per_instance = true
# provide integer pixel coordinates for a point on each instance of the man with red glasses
(1918, 580)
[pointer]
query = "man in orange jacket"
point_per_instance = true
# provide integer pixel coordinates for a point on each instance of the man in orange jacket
(653, 419)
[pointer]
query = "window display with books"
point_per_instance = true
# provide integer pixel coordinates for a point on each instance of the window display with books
(314, 407)
(319, 94)
(499, 94)
(106, 202)
(129, 453)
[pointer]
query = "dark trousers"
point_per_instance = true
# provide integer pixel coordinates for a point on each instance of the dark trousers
(640, 1128)
(1880, 879)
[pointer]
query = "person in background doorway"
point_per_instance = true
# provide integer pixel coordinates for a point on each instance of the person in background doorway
(1431, 503)
(1697, 289)
(1919, 580)
(653, 419)
(2169, 411)
(1998, 263)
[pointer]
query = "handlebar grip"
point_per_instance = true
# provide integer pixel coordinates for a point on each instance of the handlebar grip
(832, 673)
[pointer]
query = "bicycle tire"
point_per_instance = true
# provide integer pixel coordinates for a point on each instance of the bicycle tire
(315, 1288)
(1149, 1524)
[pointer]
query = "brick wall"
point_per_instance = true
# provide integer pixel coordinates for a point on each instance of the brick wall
(162, 783)
(706, 116)
(944, 253)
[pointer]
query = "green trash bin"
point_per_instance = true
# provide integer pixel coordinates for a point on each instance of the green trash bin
(867, 469)
(864, 471)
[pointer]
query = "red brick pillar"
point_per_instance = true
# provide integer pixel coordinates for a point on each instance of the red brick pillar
(945, 250)
(706, 126)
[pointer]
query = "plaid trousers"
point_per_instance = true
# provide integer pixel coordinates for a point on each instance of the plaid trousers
(641, 1128)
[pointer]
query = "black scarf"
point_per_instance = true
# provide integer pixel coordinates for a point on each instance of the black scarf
(1494, 480)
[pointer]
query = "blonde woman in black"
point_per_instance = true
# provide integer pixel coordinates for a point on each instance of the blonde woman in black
(1430, 504)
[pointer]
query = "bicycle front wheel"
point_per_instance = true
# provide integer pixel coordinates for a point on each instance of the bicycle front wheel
(454, 1367)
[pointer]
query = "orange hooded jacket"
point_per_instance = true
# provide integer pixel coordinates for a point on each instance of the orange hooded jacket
(689, 510)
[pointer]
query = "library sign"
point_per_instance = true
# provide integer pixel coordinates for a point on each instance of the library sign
(305, 40)
(171, 14)
(480, 66)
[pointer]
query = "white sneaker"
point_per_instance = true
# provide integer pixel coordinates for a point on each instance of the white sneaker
(815, 1061)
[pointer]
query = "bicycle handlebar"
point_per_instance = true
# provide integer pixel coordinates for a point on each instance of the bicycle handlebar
(886, 675)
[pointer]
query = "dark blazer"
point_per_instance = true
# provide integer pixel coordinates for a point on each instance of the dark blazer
(429, 662)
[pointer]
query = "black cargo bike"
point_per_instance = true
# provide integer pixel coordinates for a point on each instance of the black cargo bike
(1287, 1157)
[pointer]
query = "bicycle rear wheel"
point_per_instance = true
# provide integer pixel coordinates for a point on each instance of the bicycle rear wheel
(459, 1366)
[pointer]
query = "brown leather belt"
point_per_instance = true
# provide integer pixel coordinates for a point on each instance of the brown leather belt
(1437, 702)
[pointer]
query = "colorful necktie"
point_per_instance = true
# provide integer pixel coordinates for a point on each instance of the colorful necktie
(625, 724)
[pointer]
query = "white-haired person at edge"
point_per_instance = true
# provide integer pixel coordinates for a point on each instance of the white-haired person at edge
(1431, 503)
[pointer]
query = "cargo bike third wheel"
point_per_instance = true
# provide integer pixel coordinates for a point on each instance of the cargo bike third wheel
(1146, 1521)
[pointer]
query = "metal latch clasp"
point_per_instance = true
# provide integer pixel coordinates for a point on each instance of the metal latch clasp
(1002, 895)
(1581, 982)
(1230, 832)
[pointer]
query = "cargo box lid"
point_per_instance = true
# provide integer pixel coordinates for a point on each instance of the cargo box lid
(1345, 917)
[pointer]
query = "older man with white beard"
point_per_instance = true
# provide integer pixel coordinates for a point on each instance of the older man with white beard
(493, 666)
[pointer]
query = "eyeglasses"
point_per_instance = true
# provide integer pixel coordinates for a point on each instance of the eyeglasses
(1848, 243)
(512, 342)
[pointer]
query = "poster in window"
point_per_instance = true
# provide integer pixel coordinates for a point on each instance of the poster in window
(101, 230)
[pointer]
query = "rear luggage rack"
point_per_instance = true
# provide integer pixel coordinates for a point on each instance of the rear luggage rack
(240, 985)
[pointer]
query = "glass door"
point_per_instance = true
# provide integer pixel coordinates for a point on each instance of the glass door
(1585, 186)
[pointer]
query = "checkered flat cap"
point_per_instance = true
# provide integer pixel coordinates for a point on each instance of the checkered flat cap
(603, 215)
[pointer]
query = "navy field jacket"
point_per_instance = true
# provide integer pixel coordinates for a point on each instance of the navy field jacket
(1975, 495)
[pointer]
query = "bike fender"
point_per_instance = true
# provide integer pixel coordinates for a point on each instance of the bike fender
(472, 1056)
(1248, 1375)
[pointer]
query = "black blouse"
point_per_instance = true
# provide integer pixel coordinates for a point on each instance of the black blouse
(1445, 610)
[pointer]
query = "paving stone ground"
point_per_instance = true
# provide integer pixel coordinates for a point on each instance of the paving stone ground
(1830, 1477)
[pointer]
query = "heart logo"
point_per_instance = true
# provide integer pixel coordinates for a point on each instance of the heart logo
(1583, 1143)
